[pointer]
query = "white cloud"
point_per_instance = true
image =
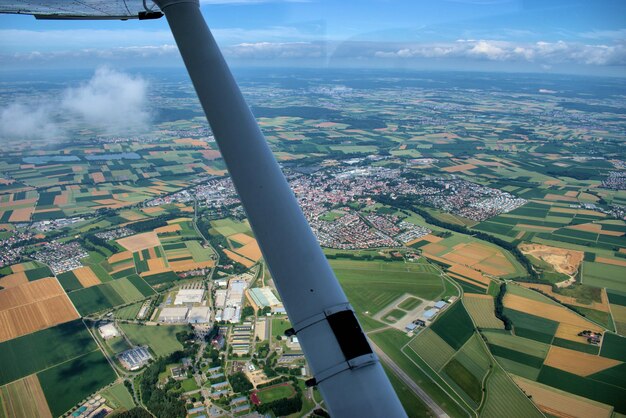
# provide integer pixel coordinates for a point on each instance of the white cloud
(546, 53)
(23, 120)
(111, 102)
(274, 50)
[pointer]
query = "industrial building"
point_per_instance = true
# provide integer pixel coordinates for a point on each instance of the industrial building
(135, 358)
(199, 315)
(188, 296)
(263, 297)
(173, 314)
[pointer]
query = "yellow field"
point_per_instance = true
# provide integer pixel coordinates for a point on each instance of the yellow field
(140, 241)
(187, 265)
(124, 255)
(471, 273)
(24, 398)
(236, 257)
(562, 404)
(86, 276)
(33, 306)
(577, 362)
(168, 228)
(461, 167)
(251, 251)
(16, 268)
(612, 261)
(21, 215)
(241, 238)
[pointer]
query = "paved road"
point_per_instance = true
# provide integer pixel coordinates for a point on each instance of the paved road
(409, 382)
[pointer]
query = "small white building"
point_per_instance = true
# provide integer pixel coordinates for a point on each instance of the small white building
(109, 331)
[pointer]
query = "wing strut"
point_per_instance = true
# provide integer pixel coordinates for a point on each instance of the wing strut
(345, 369)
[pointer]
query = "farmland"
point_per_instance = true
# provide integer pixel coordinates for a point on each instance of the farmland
(28, 354)
(33, 306)
(89, 373)
(24, 398)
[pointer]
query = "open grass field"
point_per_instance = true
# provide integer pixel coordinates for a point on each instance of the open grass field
(24, 398)
(558, 403)
(432, 349)
(370, 286)
(454, 326)
(162, 339)
(33, 306)
(29, 354)
(409, 303)
(273, 393)
(189, 384)
(279, 326)
(89, 373)
(229, 226)
(482, 310)
(505, 399)
(118, 397)
(69, 281)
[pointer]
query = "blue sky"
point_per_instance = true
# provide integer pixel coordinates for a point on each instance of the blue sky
(503, 35)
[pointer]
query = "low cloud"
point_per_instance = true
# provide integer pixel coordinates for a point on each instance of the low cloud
(110, 102)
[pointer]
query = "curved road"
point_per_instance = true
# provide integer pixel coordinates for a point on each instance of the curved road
(410, 383)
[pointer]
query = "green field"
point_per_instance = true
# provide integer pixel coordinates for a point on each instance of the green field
(513, 342)
(230, 226)
(118, 396)
(128, 312)
(614, 346)
(197, 252)
(95, 299)
(68, 383)
(189, 384)
(126, 290)
(395, 315)
(604, 275)
(279, 326)
(30, 353)
(531, 326)
(410, 303)
(464, 379)
(505, 399)
(161, 278)
(474, 357)
(435, 351)
(69, 281)
(273, 393)
(454, 326)
(482, 312)
(161, 339)
(372, 285)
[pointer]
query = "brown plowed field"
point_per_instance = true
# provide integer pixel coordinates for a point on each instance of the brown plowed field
(86, 277)
(251, 251)
(577, 362)
(13, 280)
(140, 241)
(33, 306)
